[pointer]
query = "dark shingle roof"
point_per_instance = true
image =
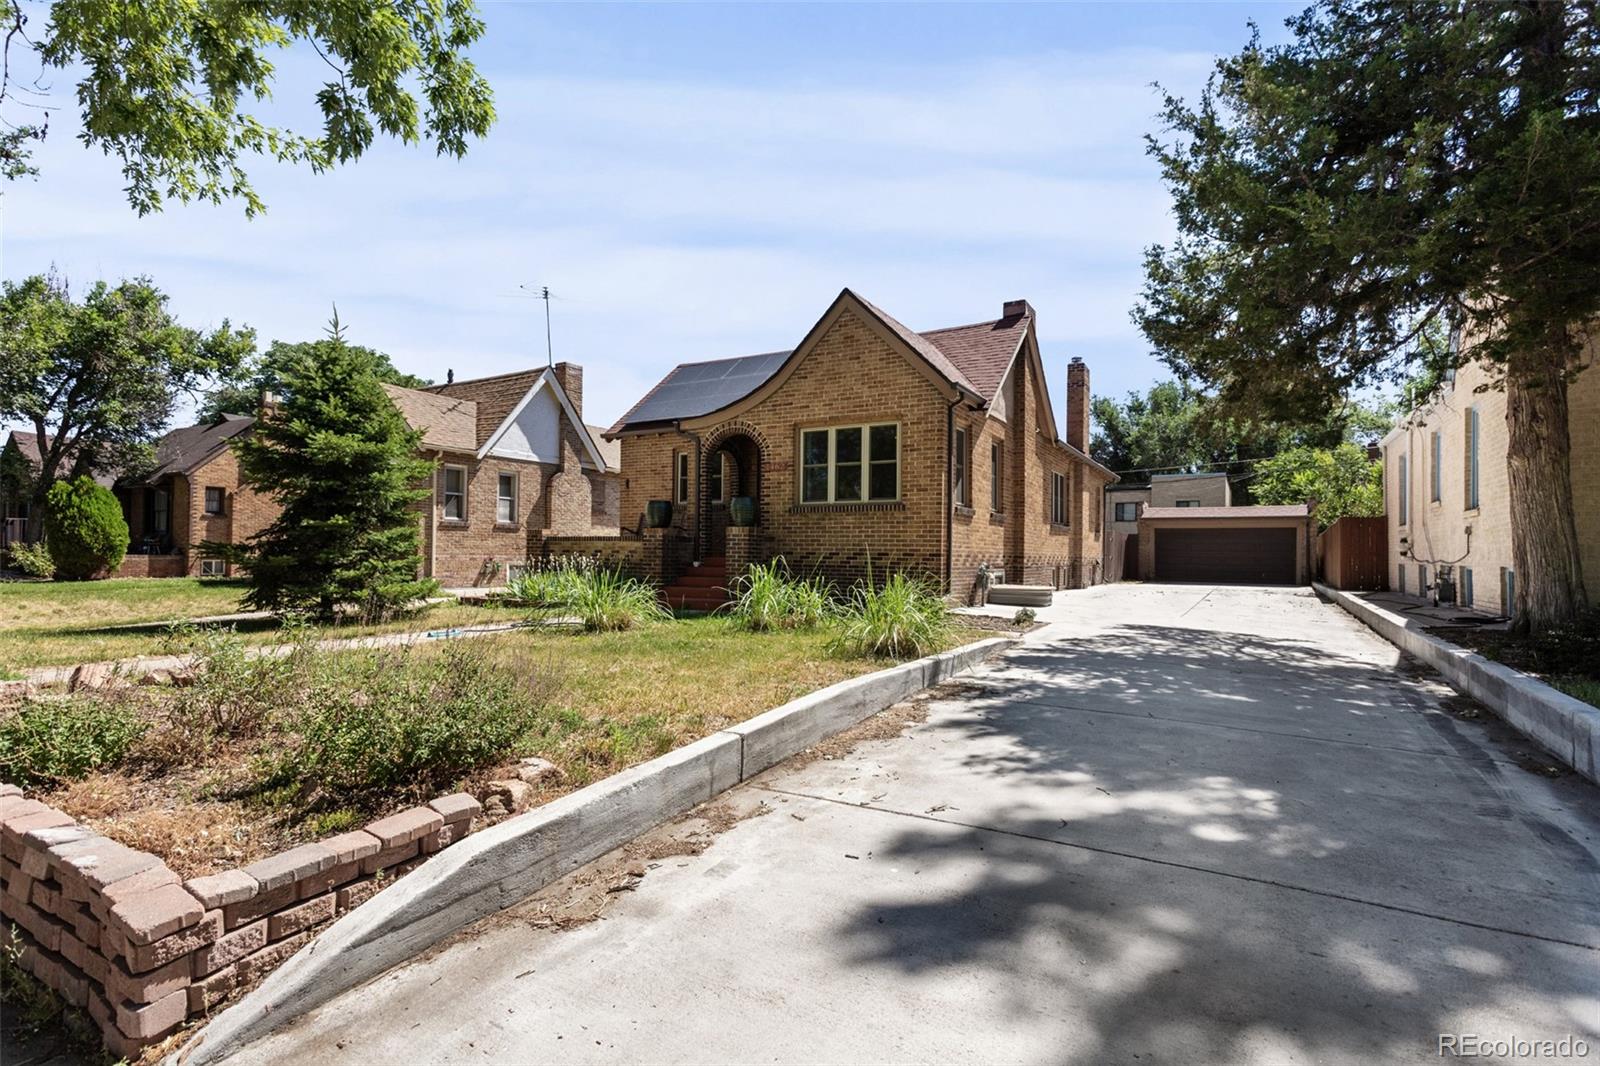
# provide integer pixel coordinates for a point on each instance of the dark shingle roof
(983, 351)
(184, 449)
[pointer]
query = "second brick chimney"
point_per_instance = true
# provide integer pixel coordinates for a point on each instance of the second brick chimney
(1078, 404)
(570, 375)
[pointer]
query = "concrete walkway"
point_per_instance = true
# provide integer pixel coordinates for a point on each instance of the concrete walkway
(1183, 824)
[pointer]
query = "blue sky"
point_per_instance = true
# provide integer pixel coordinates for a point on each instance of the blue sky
(695, 182)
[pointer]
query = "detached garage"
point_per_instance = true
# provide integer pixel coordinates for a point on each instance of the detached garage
(1226, 545)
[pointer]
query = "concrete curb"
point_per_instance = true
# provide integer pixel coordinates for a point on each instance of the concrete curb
(504, 864)
(1567, 726)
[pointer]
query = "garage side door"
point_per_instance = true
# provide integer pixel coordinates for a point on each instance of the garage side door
(1244, 556)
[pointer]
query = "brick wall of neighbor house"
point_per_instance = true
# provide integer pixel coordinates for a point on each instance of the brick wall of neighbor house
(1436, 530)
(245, 512)
(113, 930)
(980, 537)
(851, 376)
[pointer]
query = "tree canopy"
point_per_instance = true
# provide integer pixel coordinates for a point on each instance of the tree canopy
(1342, 480)
(241, 393)
(1393, 168)
(98, 379)
(165, 86)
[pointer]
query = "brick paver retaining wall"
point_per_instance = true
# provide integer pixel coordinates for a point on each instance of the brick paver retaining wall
(114, 930)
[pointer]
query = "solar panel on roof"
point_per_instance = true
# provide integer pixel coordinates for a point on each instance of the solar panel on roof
(695, 389)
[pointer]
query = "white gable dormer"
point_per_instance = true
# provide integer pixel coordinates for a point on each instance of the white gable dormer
(532, 431)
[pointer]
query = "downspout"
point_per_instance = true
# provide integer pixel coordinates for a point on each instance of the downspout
(433, 515)
(949, 495)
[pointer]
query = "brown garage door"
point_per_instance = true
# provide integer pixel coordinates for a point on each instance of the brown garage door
(1244, 556)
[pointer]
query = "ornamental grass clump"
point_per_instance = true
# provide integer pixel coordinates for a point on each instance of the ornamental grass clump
(903, 618)
(767, 597)
(606, 601)
(551, 583)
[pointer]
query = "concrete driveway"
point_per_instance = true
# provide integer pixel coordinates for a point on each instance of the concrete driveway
(1187, 824)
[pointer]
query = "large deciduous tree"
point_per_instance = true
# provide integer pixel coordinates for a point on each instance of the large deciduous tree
(345, 467)
(165, 85)
(1342, 481)
(98, 380)
(1394, 166)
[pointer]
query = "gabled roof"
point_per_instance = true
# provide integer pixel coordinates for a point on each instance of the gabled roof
(187, 448)
(494, 396)
(610, 450)
(973, 358)
(27, 445)
(543, 379)
(1289, 510)
(446, 422)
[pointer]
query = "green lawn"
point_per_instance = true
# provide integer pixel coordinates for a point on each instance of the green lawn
(61, 623)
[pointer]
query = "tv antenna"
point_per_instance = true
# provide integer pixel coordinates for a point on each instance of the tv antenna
(543, 293)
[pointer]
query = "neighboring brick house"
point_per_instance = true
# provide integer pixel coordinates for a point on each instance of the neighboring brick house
(1445, 472)
(21, 458)
(871, 444)
(516, 465)
(193, 494)
(1125, 503)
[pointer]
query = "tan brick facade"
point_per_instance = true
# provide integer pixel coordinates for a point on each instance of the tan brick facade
(853, 374)
(1434, 531)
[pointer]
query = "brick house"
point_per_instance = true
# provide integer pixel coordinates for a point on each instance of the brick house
(869, 443)
(193, 494)
(21, 458)
(1446, 490)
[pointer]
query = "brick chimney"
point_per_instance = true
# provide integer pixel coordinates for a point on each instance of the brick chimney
(1014, 308)
(1078, 404)
(570, 375)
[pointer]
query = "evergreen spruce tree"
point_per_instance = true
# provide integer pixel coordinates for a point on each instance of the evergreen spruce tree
(345, 467)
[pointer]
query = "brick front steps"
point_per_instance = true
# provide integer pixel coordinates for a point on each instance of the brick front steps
(701, 588)
(114, 930)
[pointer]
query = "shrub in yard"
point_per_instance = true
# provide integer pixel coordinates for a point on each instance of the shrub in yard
(551, 583)
(33, 560)
(84, 529)
(900, 619)
(605, 601)
(1024, 617)
(768, 597)
(50, 739)
(369, 722)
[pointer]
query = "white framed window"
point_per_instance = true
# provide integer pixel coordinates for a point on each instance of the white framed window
(850, 464)
(1058, 499)
(680, 478)
(716, 481)
(214, 499)
(454, 491)
(213, 568)
(505, 498)
(960, 458)
(1188, 503)
(1127, 512)
(997, 478)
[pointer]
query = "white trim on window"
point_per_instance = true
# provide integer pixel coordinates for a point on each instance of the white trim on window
(853, 474)
(680, 478)
(454, 507)
(505, 503)
(213, 568)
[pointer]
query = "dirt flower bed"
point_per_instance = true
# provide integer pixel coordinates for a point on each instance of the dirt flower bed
(1565, 657)
(251, 756)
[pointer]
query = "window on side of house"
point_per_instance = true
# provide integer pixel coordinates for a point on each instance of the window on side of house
(1436, 482)
(213, 568)
(1466, 586)
(997, 478)
(1508, 592)
(505, 499)
(716, 485)
(1403, 491)
(454, 492)
(1058, 499)
(160, 511)
(1471, 458)
(1127, 512)
(1188, 503)
(959, 476)
(850, 464)
(680, 478)
(214, 499)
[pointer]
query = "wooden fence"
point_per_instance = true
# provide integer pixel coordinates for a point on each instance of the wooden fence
(1353, 553)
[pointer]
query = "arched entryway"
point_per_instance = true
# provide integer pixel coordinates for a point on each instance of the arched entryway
(732, 469)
